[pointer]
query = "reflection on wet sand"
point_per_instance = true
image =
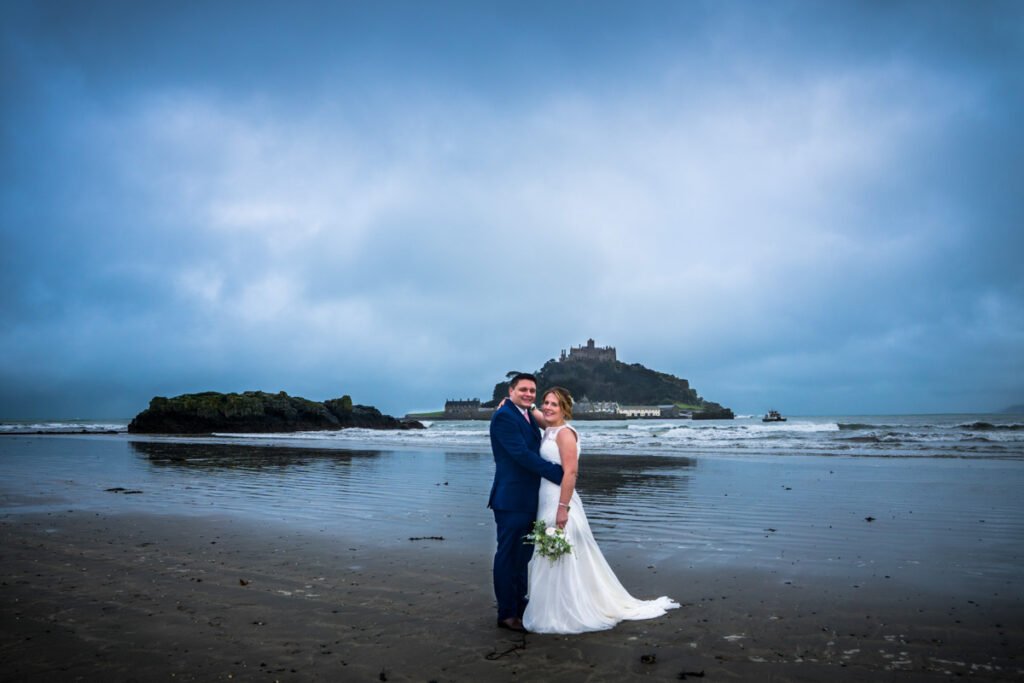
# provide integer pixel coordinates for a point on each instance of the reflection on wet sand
(390, 496)
(229, 456)
(636, 498)
(606, 475)
(425, 487)
(794, 514)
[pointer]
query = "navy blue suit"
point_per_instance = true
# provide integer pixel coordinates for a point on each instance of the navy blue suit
(518, 469)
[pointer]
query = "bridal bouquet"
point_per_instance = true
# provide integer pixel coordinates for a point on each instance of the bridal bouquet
(549, 541)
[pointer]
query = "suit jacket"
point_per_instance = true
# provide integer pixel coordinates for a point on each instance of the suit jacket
(518, 466)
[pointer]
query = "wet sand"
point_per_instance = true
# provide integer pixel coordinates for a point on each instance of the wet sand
(95, 595)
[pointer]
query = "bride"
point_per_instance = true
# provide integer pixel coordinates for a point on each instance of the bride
(578, 592)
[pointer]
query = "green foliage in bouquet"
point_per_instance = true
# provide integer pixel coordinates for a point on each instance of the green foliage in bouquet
(550, 542)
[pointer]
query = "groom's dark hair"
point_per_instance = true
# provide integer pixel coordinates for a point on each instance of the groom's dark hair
(520, 377)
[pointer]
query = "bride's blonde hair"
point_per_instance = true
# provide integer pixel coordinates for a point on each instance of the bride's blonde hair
(564, 400)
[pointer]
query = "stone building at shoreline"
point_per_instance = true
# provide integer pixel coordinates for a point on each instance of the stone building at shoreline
(465, 409)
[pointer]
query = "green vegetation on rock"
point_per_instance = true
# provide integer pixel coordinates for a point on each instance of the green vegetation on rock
(432, 415)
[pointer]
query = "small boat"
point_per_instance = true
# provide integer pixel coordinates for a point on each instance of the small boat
(773, 416)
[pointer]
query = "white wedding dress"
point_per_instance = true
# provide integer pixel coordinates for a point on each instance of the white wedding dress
(579, 591)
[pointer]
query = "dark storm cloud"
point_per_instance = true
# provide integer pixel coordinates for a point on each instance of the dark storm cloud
(802, 204)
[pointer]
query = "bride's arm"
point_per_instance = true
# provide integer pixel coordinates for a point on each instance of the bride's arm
(539, 417)
(569, 454)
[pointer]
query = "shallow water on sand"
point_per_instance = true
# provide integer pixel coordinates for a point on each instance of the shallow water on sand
(948, 524)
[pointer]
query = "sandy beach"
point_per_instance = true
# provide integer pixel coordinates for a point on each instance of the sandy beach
(148, 597)
(227, 564)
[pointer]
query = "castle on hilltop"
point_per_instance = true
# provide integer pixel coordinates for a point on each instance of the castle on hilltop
(588, 352)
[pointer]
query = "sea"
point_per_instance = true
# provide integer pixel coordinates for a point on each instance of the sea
(932, 501)
(964, 436)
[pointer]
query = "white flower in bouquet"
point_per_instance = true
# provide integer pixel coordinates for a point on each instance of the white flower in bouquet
(550, 542)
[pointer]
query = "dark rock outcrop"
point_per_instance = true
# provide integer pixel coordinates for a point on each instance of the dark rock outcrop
(256, 412)
(713, 411)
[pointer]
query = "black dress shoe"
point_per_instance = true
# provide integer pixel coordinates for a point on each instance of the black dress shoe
(512, 624)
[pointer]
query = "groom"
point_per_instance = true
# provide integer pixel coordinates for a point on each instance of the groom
(518, 467)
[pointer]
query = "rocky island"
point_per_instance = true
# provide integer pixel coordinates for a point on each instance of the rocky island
(257, 412)
(604, 388)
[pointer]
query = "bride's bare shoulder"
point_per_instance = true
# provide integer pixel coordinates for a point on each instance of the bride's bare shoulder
(567, 434)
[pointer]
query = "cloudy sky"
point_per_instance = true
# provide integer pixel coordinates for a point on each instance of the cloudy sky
(812, 206)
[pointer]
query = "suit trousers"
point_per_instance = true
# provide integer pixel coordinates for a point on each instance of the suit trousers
(511, 562)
